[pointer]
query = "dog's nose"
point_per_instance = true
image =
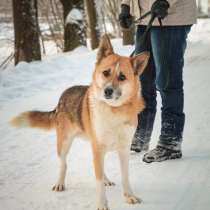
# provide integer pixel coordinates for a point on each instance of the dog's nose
(108, 92)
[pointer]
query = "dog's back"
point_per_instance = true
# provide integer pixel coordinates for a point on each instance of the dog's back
(71, 102)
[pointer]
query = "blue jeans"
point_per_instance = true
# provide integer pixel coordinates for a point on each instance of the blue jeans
(163, 73)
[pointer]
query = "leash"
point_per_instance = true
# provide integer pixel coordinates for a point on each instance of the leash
(149, 26)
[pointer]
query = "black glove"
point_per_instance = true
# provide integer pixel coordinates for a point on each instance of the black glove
(125, 17)
(160, 8)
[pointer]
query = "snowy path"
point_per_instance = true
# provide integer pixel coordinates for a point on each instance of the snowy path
(28, 164)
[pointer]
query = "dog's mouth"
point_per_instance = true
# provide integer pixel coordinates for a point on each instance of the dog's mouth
(107, 97)
(112, 98)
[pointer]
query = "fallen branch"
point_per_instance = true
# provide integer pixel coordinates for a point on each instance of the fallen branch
(6, 62)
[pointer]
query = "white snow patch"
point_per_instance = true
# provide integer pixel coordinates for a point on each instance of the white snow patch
(74, 16)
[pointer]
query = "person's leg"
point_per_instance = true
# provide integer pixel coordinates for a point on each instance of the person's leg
(168, 46)
(146, 118)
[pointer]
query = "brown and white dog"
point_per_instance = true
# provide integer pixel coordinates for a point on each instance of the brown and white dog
(104, 112)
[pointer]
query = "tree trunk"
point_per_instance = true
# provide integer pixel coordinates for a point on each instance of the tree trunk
(92, 24)
(26, 29)
(74, 31)
(199, 9)
(128, 36)
(209, 8)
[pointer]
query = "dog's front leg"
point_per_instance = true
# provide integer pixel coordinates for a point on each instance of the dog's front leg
(98, 156)
(124, 161)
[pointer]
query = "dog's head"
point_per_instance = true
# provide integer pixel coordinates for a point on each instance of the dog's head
(116, 78)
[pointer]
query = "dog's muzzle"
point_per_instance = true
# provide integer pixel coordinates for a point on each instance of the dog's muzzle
(108, 93)
(112, 93)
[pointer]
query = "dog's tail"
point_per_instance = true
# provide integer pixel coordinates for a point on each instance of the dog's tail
(35, 119)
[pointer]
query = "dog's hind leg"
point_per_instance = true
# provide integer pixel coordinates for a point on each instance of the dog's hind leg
(65, 134)
(107, 182)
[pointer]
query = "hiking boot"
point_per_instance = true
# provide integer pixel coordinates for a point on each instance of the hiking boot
(137, 145)
(160, 154)
(143, 132)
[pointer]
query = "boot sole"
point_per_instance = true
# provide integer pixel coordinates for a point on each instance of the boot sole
(138, 150)
(172, 157)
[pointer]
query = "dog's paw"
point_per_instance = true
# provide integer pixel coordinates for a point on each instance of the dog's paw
(132, 199)
(103, 207)
(108, 183)
(58, 187)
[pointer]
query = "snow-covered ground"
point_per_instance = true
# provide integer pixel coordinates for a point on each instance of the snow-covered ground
(7, 42)
(28, 163)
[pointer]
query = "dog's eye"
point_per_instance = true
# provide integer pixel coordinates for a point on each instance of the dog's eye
(121, 77)
(106, 73)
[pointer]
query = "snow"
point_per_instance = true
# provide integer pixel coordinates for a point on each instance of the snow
(74, 16)
(204, 6)
(7, 42)
(28, 163)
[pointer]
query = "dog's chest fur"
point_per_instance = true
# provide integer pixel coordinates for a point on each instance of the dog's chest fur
(113, 129)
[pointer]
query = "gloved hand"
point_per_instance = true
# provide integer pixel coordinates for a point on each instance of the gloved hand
(125, 17)
(160, 8)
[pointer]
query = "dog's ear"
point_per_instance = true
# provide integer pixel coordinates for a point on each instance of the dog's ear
(105, 48)
(139, 62)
